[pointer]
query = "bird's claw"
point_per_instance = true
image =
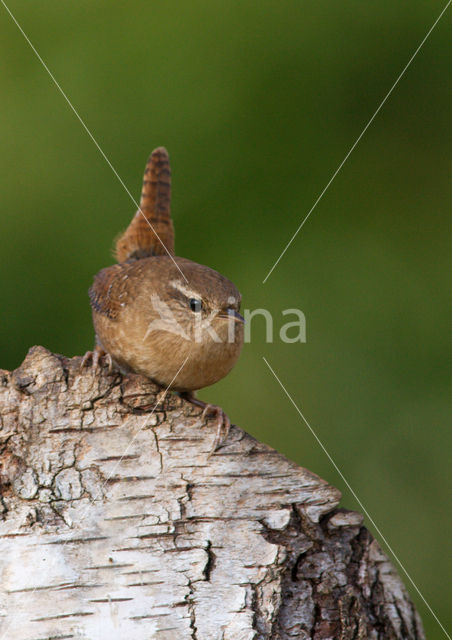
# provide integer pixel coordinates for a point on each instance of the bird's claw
(97, 357)
(221, 419)
(222, 422)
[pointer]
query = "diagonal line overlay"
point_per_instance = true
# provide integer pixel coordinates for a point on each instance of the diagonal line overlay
(344, 479)
(110, 475)
(356, 141)
(159, 401)
(79, 118)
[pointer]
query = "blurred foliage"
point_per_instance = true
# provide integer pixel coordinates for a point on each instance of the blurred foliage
(258, 103)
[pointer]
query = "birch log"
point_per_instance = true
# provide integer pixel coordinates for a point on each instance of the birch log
(117, 524)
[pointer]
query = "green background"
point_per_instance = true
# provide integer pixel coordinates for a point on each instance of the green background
(258, 103)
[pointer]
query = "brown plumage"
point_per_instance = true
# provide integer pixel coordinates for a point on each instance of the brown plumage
(151, 231)
(168, 318)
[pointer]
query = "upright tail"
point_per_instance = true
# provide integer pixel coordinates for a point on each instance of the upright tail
(151, 231)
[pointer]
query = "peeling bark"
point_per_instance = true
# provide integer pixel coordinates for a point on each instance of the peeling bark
(116, 523)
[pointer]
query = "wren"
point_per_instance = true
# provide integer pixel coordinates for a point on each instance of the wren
(168, 318)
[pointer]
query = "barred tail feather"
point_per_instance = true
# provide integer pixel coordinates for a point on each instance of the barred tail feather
(151, 231)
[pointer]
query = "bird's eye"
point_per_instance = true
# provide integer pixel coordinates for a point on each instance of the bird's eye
(195, 304)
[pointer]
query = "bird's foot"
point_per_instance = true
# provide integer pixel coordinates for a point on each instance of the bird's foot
(97, 357)
(223, 425)
(222, 421)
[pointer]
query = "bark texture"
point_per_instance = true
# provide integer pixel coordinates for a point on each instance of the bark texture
(116, 523)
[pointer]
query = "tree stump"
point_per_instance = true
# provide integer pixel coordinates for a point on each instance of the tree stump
(116, 522)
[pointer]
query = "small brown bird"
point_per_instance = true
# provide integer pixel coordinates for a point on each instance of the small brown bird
(168, 318)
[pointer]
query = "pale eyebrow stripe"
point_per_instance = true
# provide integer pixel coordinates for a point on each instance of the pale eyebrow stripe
(180, 286)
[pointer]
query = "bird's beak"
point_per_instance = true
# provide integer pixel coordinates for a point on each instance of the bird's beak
(232, 314)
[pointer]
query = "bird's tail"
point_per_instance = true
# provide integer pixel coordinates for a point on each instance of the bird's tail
(151, 231)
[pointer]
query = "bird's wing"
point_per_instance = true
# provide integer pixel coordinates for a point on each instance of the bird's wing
(110, 290)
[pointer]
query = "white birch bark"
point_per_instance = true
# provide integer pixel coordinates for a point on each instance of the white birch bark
(117, 524)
